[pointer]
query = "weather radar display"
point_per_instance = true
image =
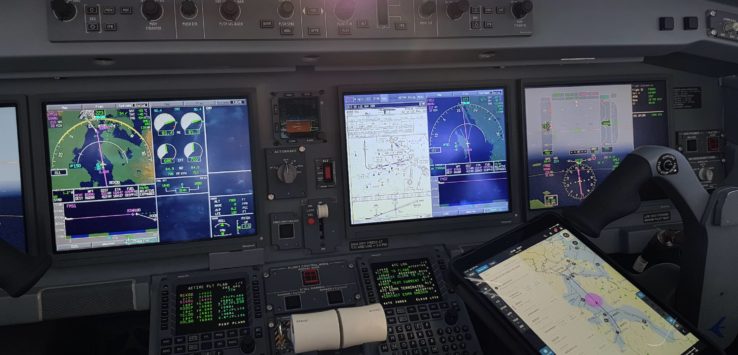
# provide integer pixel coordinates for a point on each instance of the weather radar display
(131, 173)
(577, 135)
(422, 155)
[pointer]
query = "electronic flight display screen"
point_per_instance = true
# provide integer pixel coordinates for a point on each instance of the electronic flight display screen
(209, 306)
(577, 135)
(149, 172)
(565, 299)
(12, 223)
(423, 155)
(405, 283)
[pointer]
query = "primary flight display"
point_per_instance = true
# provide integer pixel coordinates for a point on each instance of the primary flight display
(146, 172)
(577, 135)
(421, 155)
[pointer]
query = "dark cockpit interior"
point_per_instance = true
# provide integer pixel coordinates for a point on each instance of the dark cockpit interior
(380, 177)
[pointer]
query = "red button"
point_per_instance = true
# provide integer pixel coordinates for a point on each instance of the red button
(311, 220)
(327, 172)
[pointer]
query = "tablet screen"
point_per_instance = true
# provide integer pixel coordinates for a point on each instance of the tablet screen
(565, 299)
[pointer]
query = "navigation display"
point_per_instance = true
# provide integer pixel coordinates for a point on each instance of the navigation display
(12, 223)
(209, 306)
(565, 299)
(405, 283)
(577, 135)
(426, 155)
(148, 172)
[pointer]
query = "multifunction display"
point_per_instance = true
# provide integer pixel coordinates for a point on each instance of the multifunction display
(211, 306)
(143, 172)
(405, 283)
(577, 135)
(424, 155)
(12, 225)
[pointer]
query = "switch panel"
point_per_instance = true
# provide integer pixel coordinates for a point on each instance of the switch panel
(286, 173)
(325, 173)
(286, 231)
(311, 286)
(151, 20)
(320, 225)
(721, 24)
(705, 152)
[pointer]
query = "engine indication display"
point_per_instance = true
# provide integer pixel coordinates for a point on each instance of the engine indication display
(211, 306)
(405, 283)
(577, 135)
(132, 173)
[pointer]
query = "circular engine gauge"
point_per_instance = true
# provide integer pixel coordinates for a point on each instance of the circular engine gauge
(579, 181)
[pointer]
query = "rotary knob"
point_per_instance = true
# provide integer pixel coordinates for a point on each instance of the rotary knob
(345, 9)
(427, 9)
(230, 10)
(188, 9)
(63, 10)
(287, 173)
(286, 9)
(706, 174)
(248, 344)
(522, 9)
(456, 9)
(151, 10)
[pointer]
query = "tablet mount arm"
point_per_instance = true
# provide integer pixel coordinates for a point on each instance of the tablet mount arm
(707, 286)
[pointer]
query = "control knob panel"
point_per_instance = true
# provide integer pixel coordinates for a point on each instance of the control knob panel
(156, 20)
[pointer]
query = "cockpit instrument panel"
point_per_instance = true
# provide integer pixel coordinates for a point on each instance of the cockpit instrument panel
(149, 172)
(577, 135)
(426, 155)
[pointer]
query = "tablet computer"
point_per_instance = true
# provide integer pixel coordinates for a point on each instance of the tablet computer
(545, 289)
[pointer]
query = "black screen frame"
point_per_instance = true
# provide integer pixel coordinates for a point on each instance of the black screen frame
(598, 80)
(496, 321)
(417, 226)
(20, 103)
(144, 251)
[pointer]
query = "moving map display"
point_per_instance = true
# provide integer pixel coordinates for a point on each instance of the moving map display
(423, 155)
(131, 173)
(577, 135)
(12, 222)
(565, 299)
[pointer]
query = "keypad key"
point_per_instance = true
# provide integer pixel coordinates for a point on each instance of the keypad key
(429, 333)
(413, 344)
(390, 330)
(414, 318)
(166, 342)
(192, 338)
(165, 351)
(422, 308)
(384, 348)
(433, 306)
(408, 327)
(401, 337)
(232, 342)
(193, 347)
(232, 333)
(412, 309)
(179, 349)
(403, 345)
(432, 341)
(179, 340)
(219, 335)
(425, 316)
(220, 344)
(410, 336)
(391, 320)
(393, 338)
(206, 345)
(454, 347)
(389, 312)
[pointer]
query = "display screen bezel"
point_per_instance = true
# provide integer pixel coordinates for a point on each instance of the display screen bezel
(438, 223)
(188, 247)
(532, 229)
(592, 81)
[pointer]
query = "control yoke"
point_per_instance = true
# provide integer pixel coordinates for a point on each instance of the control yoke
(707, 284)
(618, 196)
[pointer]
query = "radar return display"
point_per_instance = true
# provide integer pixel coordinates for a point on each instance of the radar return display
(421, 155)
(577, 135)
(132, 173)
